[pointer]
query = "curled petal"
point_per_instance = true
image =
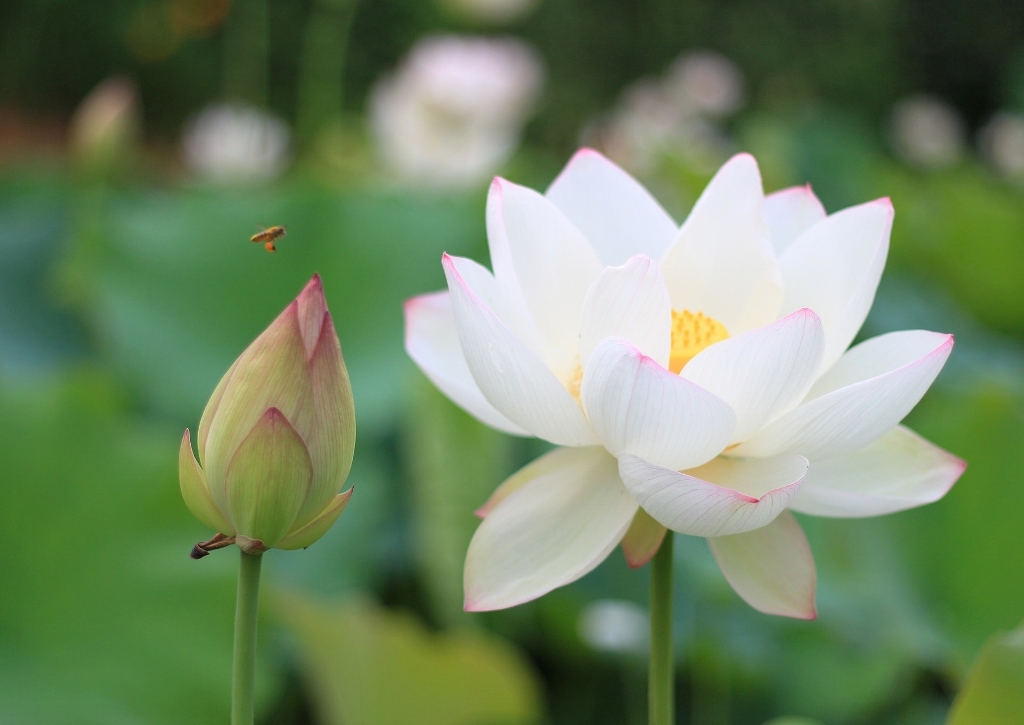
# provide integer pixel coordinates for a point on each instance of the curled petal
(834, 268)
(789, 213)
(617, 214)
(772, 568)
(900, 470)
(868, 392)
(551, 531)
(723, 497)
(432, 341)
(630, 302)
(268, 479)
(194, 491)
(300, 538)
(763, 372)
(638, 407)
(554, 266)
(722, 262)
(512, 378)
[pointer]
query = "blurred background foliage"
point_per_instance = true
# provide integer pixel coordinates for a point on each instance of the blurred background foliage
(127, 286)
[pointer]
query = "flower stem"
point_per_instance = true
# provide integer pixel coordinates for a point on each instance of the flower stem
(661, 677)
(246, 609)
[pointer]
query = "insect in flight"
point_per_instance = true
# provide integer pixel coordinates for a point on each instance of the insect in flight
(268, 236)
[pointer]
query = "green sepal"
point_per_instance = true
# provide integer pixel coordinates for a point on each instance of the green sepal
(302, 537)
(194, 491)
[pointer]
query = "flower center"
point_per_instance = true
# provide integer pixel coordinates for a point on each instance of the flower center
(691, 333)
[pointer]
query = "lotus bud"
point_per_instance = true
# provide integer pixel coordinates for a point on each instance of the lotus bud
(276, 439)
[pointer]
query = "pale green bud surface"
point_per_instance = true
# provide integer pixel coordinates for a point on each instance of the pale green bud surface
(276, 439)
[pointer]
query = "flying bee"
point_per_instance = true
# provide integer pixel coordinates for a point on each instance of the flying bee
(269, 236)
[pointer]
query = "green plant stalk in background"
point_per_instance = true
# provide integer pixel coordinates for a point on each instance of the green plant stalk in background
(247, 52)
(323, 64)
(661, 676)
(243, 676)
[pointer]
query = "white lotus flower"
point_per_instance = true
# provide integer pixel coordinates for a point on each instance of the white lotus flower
(236, 144)
(452, 113)
(695, 378)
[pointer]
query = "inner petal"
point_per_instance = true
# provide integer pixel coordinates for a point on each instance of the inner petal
(691, 333)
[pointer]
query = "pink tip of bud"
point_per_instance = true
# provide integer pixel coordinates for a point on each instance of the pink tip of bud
(311, 312)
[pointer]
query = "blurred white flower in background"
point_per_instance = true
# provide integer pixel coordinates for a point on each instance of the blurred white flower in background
(614, 625)
(490, 11)
(927, 132)
(452, 113)
(677, 114)
(105, 126)
(236, 144)
(1002, 143)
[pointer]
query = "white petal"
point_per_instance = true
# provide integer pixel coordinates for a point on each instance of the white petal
(630, 302)
(512, 378)
(723, 497)
(432, 341)
(834, 268)
(900, 470)
(553, 264)
(549, 532)
(789, 213)
(722, 263)
(615, 212)
(636, 406)
(763, 372)
(772, 568)
(868, 392)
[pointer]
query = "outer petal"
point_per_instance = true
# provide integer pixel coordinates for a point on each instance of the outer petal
(550, 532)
(630, 302)
(868, 392)
(194, 491)
(723, 497)
(834, 268)
(899, 471)
(432, 341)
(332, 439)
(551, 461)
(789, 213)
(554, 265)
(763, 372)
(268, 479)
(272, 372)
(513, 379)
(300, 538)
(722, 263)
(638, 407)
(643, 539)
(771, 568)
(618, 215)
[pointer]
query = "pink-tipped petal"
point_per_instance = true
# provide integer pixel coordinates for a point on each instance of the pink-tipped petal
(332, 439)
(722, 263)
(763, 372)
(549, 532)
(272, 372)
(789, 213)
(726, 496)
(630, 302)
(900, 470)
(834, 268)
(772, 568)
(638, 407)
(869, 391)
(553, 264)
(554, 460)
(616, 213)
(432, 341)
(642, 540)
(312, 308)
(512, 378)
